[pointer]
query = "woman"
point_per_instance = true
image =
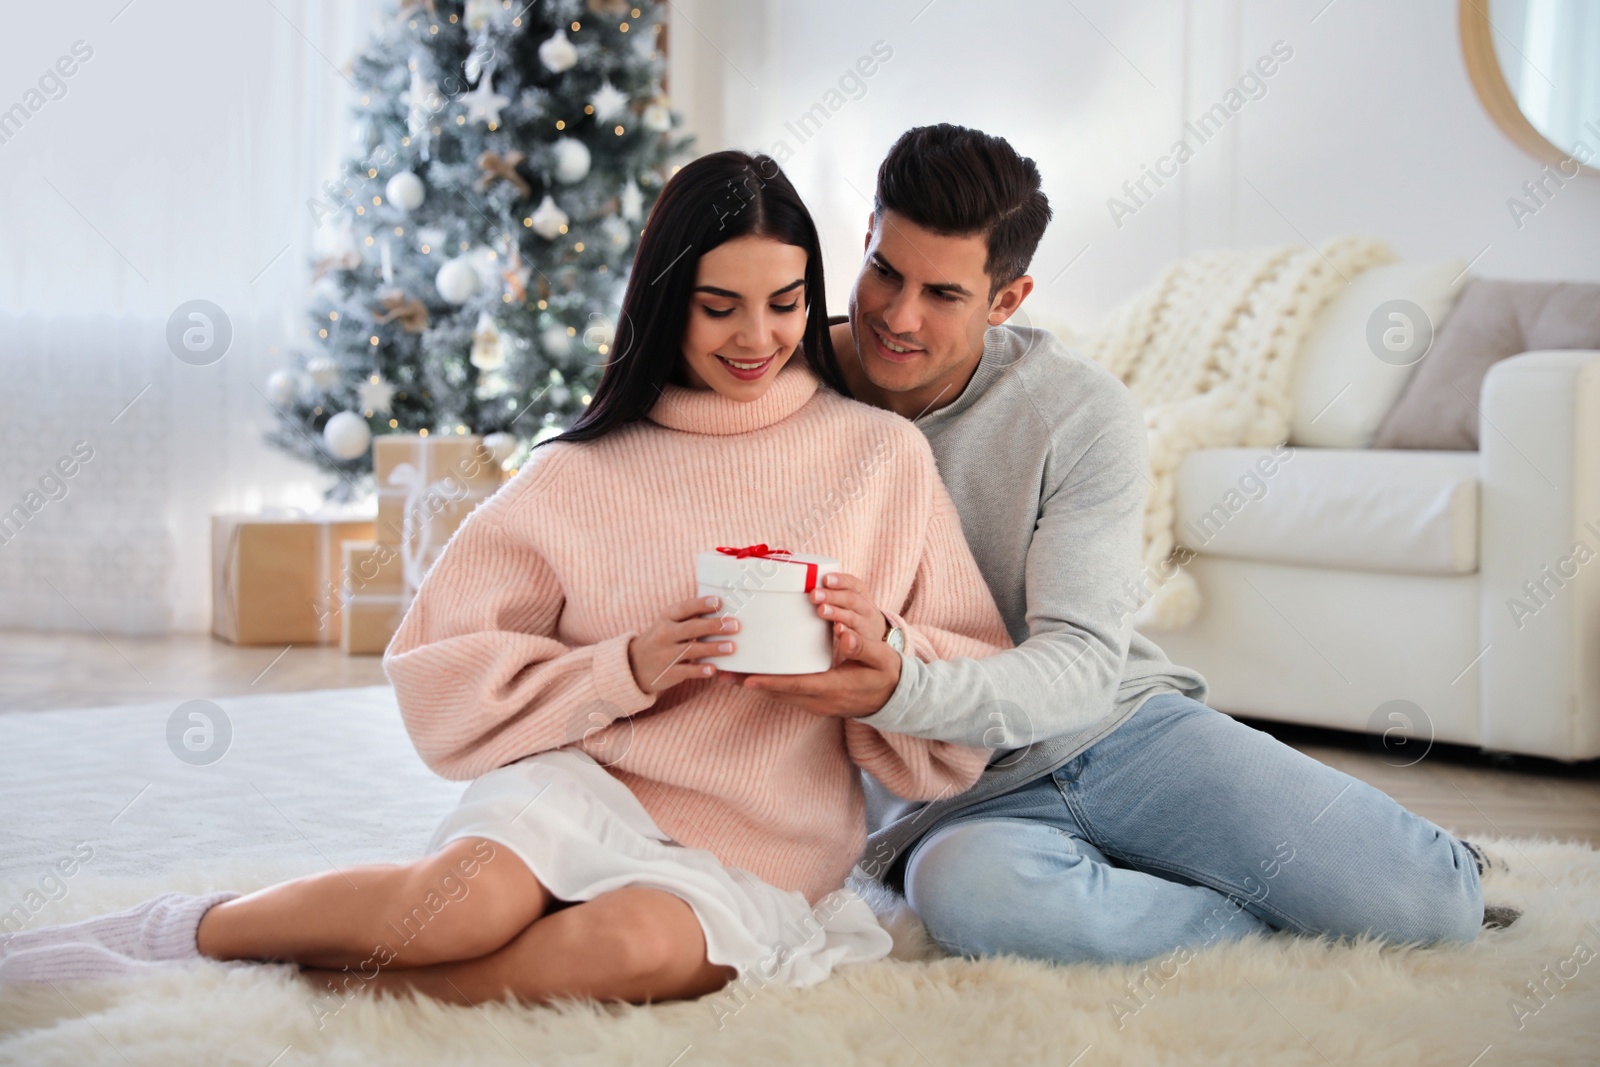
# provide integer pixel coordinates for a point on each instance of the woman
(640, 828)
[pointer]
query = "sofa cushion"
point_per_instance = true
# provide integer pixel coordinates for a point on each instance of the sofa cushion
(1493, 321)
(1342, 388)
(1358, 509)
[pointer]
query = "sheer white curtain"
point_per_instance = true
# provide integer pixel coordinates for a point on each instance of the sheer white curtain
(172, 164)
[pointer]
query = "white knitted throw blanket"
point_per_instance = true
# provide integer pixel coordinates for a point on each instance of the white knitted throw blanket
(1209, 351)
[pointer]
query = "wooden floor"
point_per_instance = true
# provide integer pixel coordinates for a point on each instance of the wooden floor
(1468, 792)
(41, 670)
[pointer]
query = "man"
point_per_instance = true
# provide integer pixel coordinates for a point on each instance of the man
(1120, 818)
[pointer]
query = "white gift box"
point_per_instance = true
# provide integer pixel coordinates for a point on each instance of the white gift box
(769, 591)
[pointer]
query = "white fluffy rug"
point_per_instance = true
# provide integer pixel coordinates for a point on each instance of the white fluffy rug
(312, 780)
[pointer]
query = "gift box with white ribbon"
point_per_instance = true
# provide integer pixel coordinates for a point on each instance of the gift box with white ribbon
(768, 591)
(276, 578)
(375, 598)
(427, 486)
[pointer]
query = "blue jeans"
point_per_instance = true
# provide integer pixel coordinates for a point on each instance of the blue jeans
(1183, 828)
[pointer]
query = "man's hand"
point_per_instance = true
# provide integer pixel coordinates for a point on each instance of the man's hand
(843, 599)
(868, 669)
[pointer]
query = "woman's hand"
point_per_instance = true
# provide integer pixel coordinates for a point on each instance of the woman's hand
(670, 651)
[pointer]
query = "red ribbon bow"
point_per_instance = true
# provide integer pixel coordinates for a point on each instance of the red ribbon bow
(761, 551)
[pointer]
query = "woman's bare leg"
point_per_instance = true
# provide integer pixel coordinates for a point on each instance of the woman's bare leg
(633, 944)
(467, 899)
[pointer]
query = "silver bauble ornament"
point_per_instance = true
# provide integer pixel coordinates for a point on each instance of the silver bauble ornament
(324, 372)
(284, 387)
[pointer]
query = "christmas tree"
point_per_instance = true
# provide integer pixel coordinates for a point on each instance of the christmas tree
(477, 244)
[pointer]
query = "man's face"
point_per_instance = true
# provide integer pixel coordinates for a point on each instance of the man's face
(920, 307)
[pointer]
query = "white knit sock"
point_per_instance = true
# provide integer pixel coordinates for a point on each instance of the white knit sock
(162, 929)
(69, 961)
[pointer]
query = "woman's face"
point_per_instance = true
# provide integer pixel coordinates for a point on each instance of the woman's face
(747, 315)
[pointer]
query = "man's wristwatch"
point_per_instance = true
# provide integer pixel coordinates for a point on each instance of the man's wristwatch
(896, 639)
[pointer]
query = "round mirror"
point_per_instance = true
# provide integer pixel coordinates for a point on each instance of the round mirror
(1536, 67)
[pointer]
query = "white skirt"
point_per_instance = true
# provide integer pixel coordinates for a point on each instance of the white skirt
(582, 833)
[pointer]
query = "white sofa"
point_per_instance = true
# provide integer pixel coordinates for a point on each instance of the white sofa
(1339, 581)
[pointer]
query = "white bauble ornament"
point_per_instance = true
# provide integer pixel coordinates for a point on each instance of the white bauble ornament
(572, 160)
(608, 102)
(324, 372)
(457, 280)
(657, 117)
(556, 341)
(548, 219)
(284, 387)
(632, 201)
(488, 350)
(500, 446)
(347, 436)
(558, 53)
(405, 191)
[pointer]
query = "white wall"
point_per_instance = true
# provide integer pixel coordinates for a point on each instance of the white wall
(1371, 126)
(182, 155)
(175, 165)
(179, 159)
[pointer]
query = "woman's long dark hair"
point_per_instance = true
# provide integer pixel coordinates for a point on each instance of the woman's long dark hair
(711, 200)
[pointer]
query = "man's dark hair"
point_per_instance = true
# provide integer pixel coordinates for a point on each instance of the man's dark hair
(958, 182)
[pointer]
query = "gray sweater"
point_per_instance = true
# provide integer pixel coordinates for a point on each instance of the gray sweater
(1044, 454)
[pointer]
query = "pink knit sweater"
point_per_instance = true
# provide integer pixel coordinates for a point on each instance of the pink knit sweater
(517, 641)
